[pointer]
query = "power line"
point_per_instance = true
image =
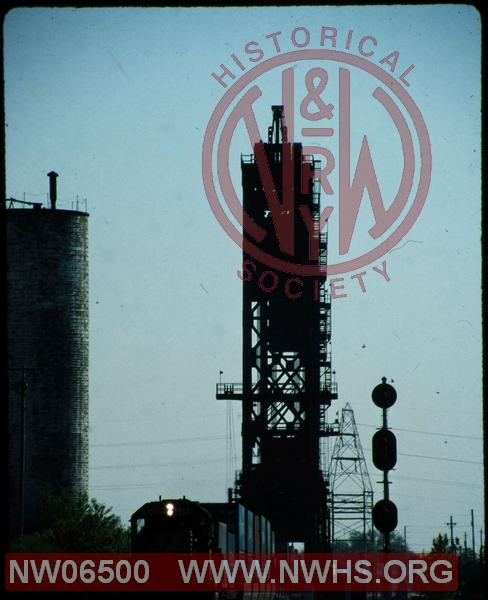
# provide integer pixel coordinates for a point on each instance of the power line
(220, 460)
(138, 486)
(164, 464)
(443, 481)
(439, 433)
(436, 499)
(158, 442)
(221, 437)
(457, 460)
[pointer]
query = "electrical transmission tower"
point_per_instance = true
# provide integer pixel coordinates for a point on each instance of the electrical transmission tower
(351, 490)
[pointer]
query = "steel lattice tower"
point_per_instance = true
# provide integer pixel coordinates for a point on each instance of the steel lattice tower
(287, 379)
(351, 490)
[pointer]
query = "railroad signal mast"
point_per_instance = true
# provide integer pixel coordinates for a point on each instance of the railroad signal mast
(287, 381)
(385, 513)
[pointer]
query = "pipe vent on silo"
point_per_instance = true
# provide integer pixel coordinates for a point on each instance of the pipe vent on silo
(53, 190)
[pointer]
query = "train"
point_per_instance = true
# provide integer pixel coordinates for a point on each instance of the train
(182, 525)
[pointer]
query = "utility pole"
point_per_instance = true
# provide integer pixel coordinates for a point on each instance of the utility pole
(472, 534)
(482, 560)
(451, 526)
(22, 389)
(405, 537)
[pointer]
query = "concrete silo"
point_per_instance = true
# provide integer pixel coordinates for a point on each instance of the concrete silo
(47, 345)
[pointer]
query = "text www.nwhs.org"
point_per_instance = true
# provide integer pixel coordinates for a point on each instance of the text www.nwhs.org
(202, 572)
(359, 571)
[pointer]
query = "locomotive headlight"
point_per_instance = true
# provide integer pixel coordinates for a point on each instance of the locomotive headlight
(170, 509)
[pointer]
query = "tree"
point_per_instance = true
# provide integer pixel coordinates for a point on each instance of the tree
(76, 524)
(470, 570)
(374, 542)
(397, 542)
(440, 544)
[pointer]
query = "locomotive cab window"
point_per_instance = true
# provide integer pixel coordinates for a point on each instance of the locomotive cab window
(140, 523)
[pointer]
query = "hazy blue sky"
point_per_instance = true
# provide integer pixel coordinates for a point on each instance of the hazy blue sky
(117, 102)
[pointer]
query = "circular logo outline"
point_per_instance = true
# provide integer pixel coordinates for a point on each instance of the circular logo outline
(321, 55)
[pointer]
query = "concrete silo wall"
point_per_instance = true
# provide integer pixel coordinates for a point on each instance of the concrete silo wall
(47, 326)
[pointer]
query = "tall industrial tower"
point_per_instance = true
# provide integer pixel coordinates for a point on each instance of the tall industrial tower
(287, 379)
(47, 344)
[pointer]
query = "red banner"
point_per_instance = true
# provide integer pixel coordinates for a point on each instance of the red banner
(231, 572)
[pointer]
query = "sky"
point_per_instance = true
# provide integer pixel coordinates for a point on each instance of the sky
(117, 101)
